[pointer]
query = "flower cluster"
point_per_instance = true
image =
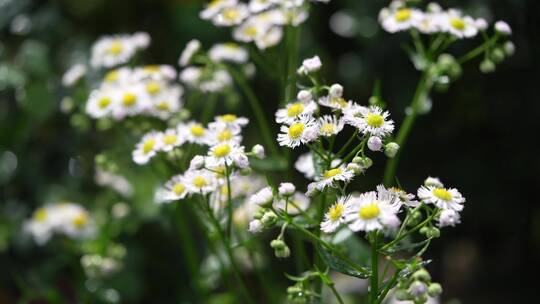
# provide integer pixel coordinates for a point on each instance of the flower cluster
(259, 21)
(64, 218)
(146, 90)
(110, 51)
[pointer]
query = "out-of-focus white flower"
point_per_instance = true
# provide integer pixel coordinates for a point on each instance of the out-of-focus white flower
(197, 162)
(231, 52)
(241, 160)
(255, 226)
(448, 217)
(336, 90)
(193, 132)
(301, 131)
(213, 80)
(232, 14)
(199, 181)
(147, 147)
(481, 24)
(334, 102)
(258, 150)
(401, 19)
(286, 189)
(369, 212)
(73, 75)
(173, 190)
(117, 182)
(192, 47)
(304, 96)
(263, 197)
(458, 25)
(444, 198)
(434, 182)
(503, 28)
(304, 164)
(110, 51)
(170, 139)
(310, 65)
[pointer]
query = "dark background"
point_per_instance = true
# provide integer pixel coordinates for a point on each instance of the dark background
(479, 137)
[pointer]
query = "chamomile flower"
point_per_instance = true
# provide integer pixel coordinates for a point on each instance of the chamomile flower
(297, 203)
(399, 19)
(369, 212)
(130, 101)
(230, 121)
(147, 147)
(223, 134)
(330, 125)
(110, 51)
(170, 139)
(193, 132)
(192, 47)
(335, 216)
(230, 52)
(173, 190)
(231, 15)
(371, 121)
(458, 25)
(100, 103)
(155, 72)
(444, 198)
(330, 177)
(293, 111)
(397, 194)
(166, 103)
(223, 154)
(200, 181)
(301, 131)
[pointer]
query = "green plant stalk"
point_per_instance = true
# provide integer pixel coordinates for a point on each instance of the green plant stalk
(479, 50)
(374, 286)
(389, 284)
(229, 202)
(257, 110)
(336, 293)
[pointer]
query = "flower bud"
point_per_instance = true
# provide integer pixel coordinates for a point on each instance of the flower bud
(422, 275)
(263, 197)
(402, 295)
(304, 96)
(258, 150)
(374, 143)
(433, 233)
(503, 28)
(336, 90)
(487, 66)
(245, 171)
(509, 48)
(311, 134)
(286, 189)
(448, 217)
(282, 253)
(424, 230)
(277, 244)
(417, 289)
(354, 168)
(269, 219)
(434, 182)
(434, 289)
(197, 162)
(255, 226)
(497, 55)
(357, 160)
(310, 65)
(481, 24)
(391, 149)
(365, 163)
(241, 160)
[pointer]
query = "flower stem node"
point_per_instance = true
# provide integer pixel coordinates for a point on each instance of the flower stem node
(434, 289)
(391, 149)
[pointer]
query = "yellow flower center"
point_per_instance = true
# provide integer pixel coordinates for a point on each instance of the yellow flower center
(153, 88)
(163, 106)
(197, 130)
(40, 215)
(199, 181)
(296, 130)
(230, 14)
(116, 48)
(457, 23)
(295, 109)
(222, 150)
(374, 120)
(328, 128)
(369, 211)
(129, 99)
(250, 31)
(80, 220)
(148, 145)
(104, 102)
(332, 172)
(224, 135)
(214, 3)
(340, 102)
(151, 68)
(228, 117)
(402, 15)
(335, 212)
(442, 193)
(169, 139)
(178, 188)
(111, 76)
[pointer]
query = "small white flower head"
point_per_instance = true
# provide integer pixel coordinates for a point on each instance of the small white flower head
(109, 51)
(459, 26)
(193, 132)
(147, 147)
(391, 149)
(374, 143)
(257, 6)
(255, 226)
(448, 217)
(197, 162)
(231, 15)
(332, 176)
(241, 160)
(100, 103)
(481, 24)
(503, 28)
(297, 202)
(398, 195)
(73, 75)
(286, 189)
(433, 182)
(369, 212)
(173, 190)
(400, 19)
(214, 7)
(417, 289)
(258, 150)
(310, 65)
(330, 125)
(334, 102)
(294, 111)
(221, 133)
(229, 121)
(269, 38)
(301, 131)
(336, 90)
(192, 47)
(304, 96)
(430, 23)
(224, 154)
(335, 216)
(230, 52)
(141, 39)
(444, 198)
(371, 121)
(170, 140)
(200, 181)
(263, 197)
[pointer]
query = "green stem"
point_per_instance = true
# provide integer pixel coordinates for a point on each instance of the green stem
(374, 287)
(479, 50)
(292, 61)
(389, 284)
(399, 238)
(347, 144)
(229, 202)
(256, 106)
(336, 294)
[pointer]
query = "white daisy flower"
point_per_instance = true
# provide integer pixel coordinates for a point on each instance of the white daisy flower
(293, 111)
(330, 125)
(370, 121)
(301, 131)
(250, 30)
(166, 103)
(257, 6)
(223, 134)
(335, 216)
(331, 176)
(115, 181)
(230, 121)
(147, 147)
(73, 75)
(231, 52)
(100, 103)
(192, 47)
(430, 23)
(214, 7)
(401, 19)
(173, 190)
(200, 181)
(155, 72)
(444, 198)
(231, 15)
(223, 154)
(369, 212)
(130, 101)
(298, 202)
(335, 102)
(458, 25)
(110, 51)
(193, 132)
(170, 139)
(397, 194)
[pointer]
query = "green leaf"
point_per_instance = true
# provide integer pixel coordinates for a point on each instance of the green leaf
(338, 264)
